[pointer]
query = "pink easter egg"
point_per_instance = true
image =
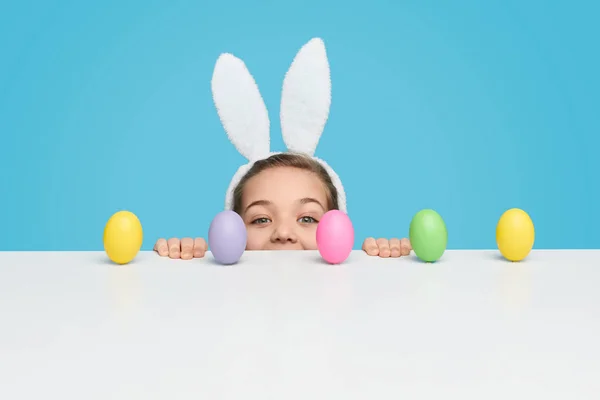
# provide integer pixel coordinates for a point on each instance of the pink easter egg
(335, 237)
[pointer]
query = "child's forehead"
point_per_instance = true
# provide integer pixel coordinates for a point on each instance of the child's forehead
(284, 182)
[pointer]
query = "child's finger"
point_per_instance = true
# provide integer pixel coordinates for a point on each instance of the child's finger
(405, 246)
(161, 247)
(370, 247)
(395, 249)
(200, 247)
(174, 248)
(187, 248)
(384, 247)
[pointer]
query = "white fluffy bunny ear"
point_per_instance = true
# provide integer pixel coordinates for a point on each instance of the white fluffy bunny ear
(306, 98)
(241, 107)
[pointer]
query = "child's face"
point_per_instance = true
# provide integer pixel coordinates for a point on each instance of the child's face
(281, 208)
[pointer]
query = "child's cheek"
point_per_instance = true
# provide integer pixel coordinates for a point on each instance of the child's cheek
(309, 240)
(258, 239)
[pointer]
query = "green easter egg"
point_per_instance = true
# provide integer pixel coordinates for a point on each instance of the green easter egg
(428, 235)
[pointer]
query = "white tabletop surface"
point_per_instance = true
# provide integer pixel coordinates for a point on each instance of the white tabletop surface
(284, 325)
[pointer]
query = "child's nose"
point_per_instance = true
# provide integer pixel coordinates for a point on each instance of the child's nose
(284, 233)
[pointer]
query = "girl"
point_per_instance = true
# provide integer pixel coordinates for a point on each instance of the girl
(280, 196)
(281, 199)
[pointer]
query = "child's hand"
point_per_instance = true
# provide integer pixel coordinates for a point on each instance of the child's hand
(387, 248)
(186, 248)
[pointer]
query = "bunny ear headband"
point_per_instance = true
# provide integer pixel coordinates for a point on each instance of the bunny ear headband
(305, 102)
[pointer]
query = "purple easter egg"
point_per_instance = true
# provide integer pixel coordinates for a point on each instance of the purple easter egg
(227, 237)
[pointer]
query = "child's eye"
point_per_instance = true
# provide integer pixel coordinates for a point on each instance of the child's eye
(260, 221)
(308, 220)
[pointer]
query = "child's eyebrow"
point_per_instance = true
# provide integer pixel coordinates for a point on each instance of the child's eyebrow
(258, 203)
(307, 200)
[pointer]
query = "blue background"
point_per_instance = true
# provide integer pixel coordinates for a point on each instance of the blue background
(468, 107)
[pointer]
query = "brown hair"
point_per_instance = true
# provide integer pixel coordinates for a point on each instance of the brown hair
(291, 160)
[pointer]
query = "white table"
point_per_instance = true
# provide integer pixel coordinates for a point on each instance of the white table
(284, 325)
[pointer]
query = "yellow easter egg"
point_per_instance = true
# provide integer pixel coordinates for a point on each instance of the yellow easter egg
(123, 236)
(515, 234)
